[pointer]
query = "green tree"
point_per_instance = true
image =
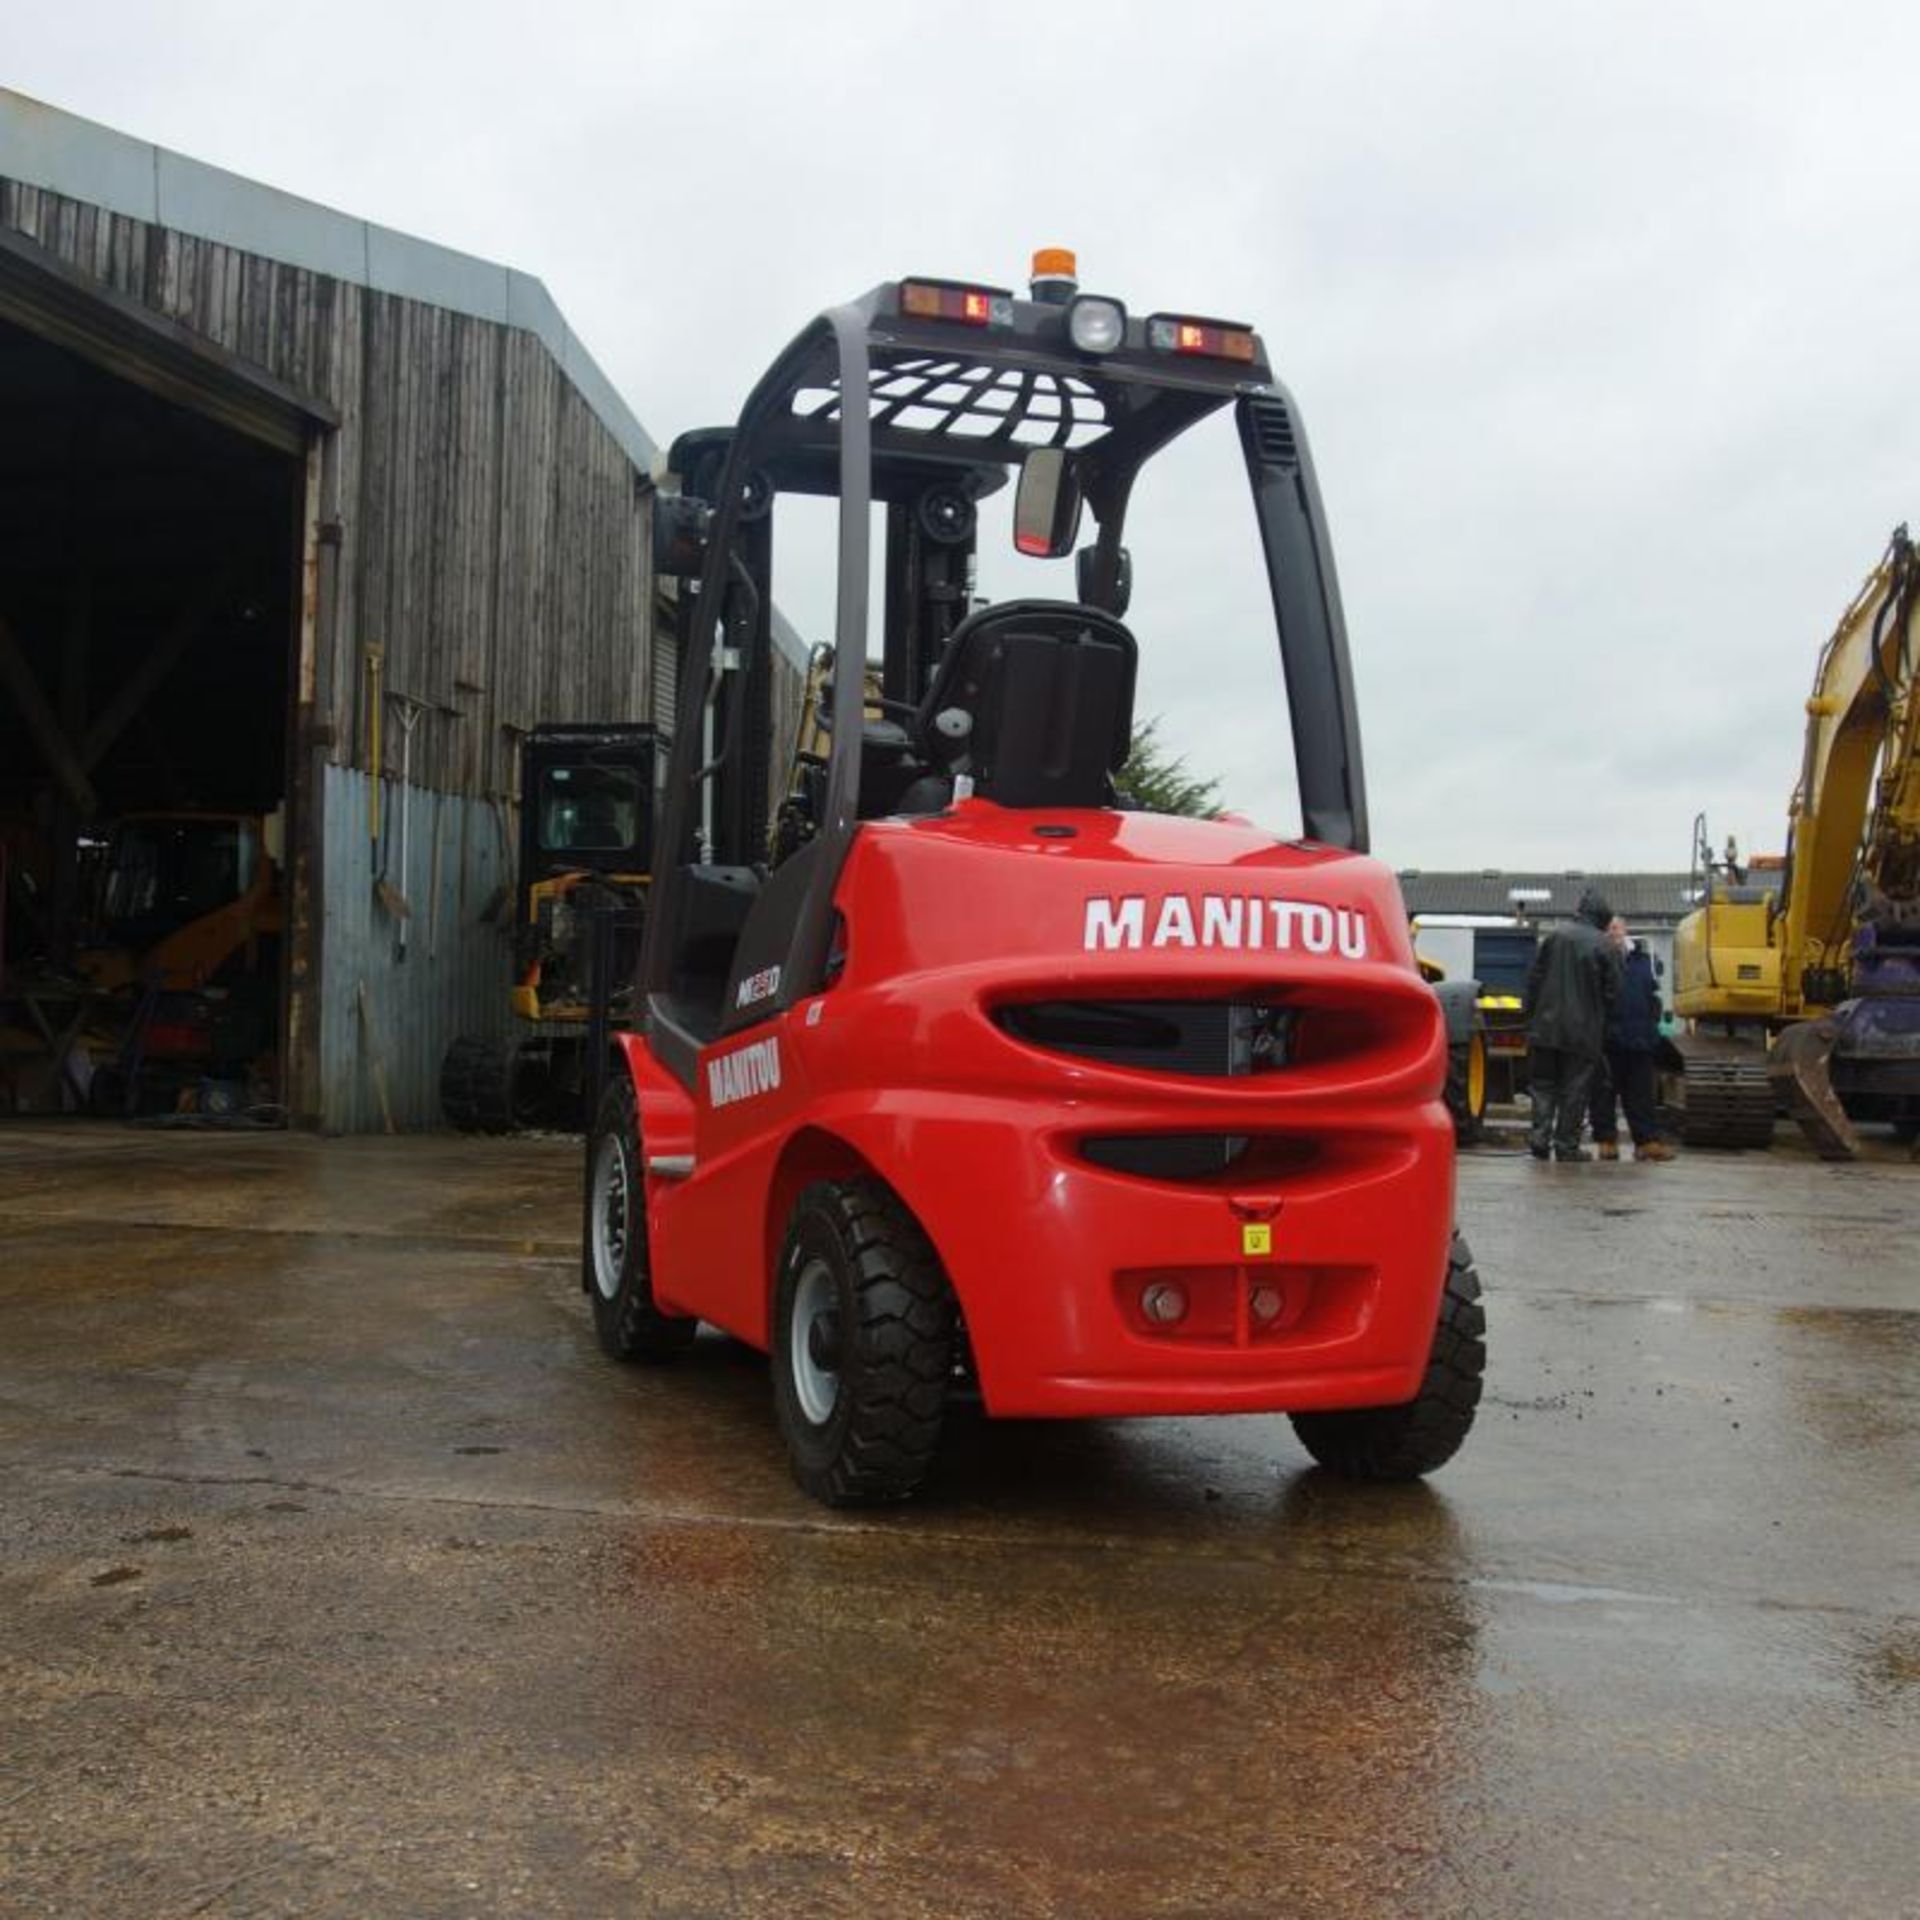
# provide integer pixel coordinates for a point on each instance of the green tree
(1159, 782)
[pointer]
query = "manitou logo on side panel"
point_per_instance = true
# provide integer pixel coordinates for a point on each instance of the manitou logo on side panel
(739, 1076)
(1238, 922)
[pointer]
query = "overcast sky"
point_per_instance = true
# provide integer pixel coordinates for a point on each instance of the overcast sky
(1600, 318)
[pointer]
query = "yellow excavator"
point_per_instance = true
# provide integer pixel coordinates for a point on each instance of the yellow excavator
(1801, 981)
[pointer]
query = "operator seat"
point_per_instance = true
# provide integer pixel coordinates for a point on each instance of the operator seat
(1034, 700)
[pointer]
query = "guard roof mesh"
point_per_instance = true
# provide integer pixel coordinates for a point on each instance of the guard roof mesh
(992, 408)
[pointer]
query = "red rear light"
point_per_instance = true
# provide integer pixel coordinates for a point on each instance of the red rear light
(1210, 339)
(956, 301)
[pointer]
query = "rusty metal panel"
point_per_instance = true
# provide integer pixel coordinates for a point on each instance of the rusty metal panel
(450, 975)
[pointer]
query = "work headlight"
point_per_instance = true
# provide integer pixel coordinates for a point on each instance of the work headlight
(1096, 325)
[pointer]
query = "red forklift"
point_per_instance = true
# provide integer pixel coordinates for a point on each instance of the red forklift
(972, 1082)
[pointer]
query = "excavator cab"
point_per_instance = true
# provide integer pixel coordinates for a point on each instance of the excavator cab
(972, 1082)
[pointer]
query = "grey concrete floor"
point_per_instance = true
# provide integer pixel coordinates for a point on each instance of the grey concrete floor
(340, 1575)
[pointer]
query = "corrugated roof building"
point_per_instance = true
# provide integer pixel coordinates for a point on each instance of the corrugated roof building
(1651, 899)
(298, 513)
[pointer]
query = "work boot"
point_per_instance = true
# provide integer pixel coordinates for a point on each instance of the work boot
(1607, 1149)
(1571, 1153)
(1653, 1150)
(1541, 1153)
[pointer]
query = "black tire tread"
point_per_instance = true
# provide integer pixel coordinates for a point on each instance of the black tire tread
(901, 1352)
(1405, 1442)
(476, 1084)
(631, 1325)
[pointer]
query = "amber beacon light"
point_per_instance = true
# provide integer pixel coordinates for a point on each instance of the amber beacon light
(1055, 278)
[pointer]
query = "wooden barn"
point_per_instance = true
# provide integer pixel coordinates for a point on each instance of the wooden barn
(303, 524)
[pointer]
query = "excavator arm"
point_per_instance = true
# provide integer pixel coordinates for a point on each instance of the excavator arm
(1850, 897)
(1846, 826)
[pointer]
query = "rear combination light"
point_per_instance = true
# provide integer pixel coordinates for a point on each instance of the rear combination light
(954, 300)
(1208, 339)
(1227, 1307)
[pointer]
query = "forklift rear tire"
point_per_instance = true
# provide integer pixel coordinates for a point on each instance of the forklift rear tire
(863, 1345)
(619, 1274)
(1402, 1443)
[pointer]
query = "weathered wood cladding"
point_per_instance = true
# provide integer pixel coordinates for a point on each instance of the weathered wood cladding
(488, 533)
(478, 514)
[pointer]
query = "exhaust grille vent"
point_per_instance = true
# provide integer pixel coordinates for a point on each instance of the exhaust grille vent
(1273, 434)
(1208, 1037)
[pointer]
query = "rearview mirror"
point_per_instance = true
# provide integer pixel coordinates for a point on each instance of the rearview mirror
(1046, 510)
(1086, 566)
(680, 523)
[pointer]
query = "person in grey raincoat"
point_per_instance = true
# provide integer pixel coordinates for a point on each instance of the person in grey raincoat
(1570, 990)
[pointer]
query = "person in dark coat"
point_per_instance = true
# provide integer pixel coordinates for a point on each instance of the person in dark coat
(1633, 1038)
(1571, 987)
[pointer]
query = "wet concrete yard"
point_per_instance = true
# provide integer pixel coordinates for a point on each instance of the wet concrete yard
(339, 1574)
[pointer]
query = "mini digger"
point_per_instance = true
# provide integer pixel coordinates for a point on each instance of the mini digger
(586, 830)
(185, 952)
(989, 1088)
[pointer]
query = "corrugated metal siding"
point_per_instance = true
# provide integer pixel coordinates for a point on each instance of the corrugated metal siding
(666, 663)
(458, 965)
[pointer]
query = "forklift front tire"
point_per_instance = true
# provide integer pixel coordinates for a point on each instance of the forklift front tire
(619, 1275)
(1403, 1443)
(863, 1345)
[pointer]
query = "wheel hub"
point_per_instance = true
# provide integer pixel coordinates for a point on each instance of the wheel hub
(813, 1342)
(823, 1342)
(612, 1185)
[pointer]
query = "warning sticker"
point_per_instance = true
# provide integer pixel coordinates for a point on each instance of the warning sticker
(1256, 1237)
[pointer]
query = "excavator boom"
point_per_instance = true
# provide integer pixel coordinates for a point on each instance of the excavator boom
(1827, 964)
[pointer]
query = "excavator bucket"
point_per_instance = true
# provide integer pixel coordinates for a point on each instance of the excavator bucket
(1800, 1070)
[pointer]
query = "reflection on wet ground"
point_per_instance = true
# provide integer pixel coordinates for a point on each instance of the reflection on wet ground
(342, 1576)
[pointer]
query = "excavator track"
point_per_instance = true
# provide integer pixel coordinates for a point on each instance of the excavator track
(1730, 1103)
